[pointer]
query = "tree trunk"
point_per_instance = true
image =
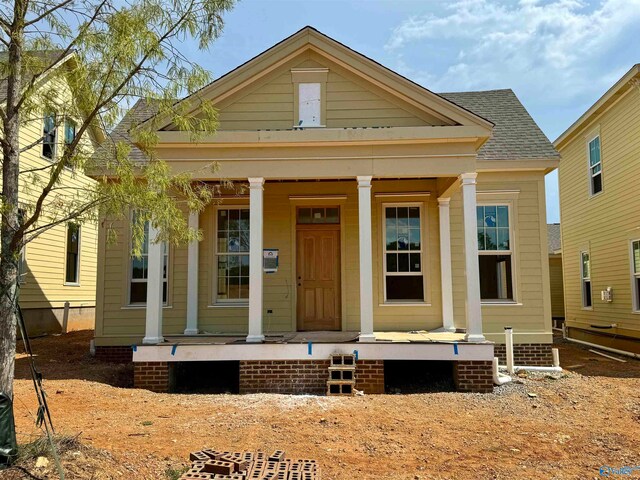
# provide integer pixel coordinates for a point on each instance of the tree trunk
(9, 243)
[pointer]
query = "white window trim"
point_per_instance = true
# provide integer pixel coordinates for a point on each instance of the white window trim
(635, 294)
(590, 176)
(584, 279)
(422, 251)
(225, 302)
(511, 251)
(131, 280)
(78, 259)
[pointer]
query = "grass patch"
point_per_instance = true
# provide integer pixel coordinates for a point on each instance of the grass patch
(41, 447)
(175, 473)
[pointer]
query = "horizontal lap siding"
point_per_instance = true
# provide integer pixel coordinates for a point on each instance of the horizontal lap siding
(606, 223)
(44, 283)
(557, 288)
(350, 103)
(530, 258)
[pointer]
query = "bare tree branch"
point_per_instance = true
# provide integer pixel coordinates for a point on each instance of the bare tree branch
(48, 12)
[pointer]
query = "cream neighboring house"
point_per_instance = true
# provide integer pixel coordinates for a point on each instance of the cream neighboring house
(599, 208)
(380, 218)
(555, 274)
(58, 271)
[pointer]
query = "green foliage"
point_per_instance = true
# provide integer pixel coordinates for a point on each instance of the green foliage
(175, 473)
(115, 53)
(41, 447)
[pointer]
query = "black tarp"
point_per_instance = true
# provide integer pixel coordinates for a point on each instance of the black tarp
(8, 444)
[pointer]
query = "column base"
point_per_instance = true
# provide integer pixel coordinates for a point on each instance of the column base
(152, 340)
(475, 338)
(191, 331)
(366, 337)
(255, 338)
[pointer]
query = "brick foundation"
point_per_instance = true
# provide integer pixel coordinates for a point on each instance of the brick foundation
(473, 376)
(284, 376)
(304, 376)
(114, 354)
(370, 376)
(531, 354)
(152, 376)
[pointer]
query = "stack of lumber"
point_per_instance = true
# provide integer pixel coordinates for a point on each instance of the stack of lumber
(212, 464)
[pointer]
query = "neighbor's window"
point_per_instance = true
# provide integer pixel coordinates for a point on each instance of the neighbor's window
(404, 280)
(635, 254)
(309, 104)
(69, 131)
(72, 272)
(232, 255)
(495, 252)
(595, 166)
(49, 136)
(585, 270)
(140, 270)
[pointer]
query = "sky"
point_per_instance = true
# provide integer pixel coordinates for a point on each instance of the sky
(558, 56)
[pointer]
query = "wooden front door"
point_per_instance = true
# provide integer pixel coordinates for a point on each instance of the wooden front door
(318, 277)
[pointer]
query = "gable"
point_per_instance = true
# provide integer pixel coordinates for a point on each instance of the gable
(261, 93)
(349, 102)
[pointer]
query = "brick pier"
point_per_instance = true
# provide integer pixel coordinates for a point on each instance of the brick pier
(473, 376)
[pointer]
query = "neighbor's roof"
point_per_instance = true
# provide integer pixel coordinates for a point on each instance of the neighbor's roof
(604, 102)
(553, 238)
(515, 135)
(47, 57)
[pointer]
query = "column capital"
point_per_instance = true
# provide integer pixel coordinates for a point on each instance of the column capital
(444, 201)
(256, 182)
(468, 178)
(364, 181)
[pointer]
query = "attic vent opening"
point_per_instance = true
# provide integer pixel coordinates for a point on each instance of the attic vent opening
(309, 104)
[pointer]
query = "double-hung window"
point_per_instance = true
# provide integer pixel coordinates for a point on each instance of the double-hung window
(232, 255)
(403, 275)
(49, 136)
(495, 253)
(585, 273)
(595, 166)
(72, 271)
(635, 273)
(139, 271)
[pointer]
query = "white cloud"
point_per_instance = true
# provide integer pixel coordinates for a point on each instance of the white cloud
(557, 49)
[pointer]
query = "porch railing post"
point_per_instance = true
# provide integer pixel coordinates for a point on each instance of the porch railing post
(472, 270)
(153, 324)
(445, 265)
(366, 267)
(256, 187)
(192, 279)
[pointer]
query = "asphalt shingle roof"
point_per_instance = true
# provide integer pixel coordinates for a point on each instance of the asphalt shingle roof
(553, 237)
(515, 136)
(45, 59)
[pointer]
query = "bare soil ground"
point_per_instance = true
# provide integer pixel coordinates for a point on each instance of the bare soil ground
(577, 422)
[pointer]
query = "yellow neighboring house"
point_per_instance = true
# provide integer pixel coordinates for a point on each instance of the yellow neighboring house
(380, 218)
(58, 272)
(555, 274)
(600, 218)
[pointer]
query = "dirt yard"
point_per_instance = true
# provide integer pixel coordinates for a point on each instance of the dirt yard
(538, 427)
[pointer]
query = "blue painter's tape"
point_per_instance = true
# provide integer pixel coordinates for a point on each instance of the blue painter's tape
(455, 349)
(173, 349)
(134, 347)
(356, 354)
(310, 348)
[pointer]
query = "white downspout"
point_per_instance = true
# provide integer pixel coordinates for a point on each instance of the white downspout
(499, 378)
(511, 368)
(508, 333)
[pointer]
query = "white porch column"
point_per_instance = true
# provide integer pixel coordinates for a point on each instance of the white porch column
(256, 187)
(153, 326)
(445, 266)
(472, 271)
(192, 279)
(366, 267)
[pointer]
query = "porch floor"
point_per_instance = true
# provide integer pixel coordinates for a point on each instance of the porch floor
(421, 336)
